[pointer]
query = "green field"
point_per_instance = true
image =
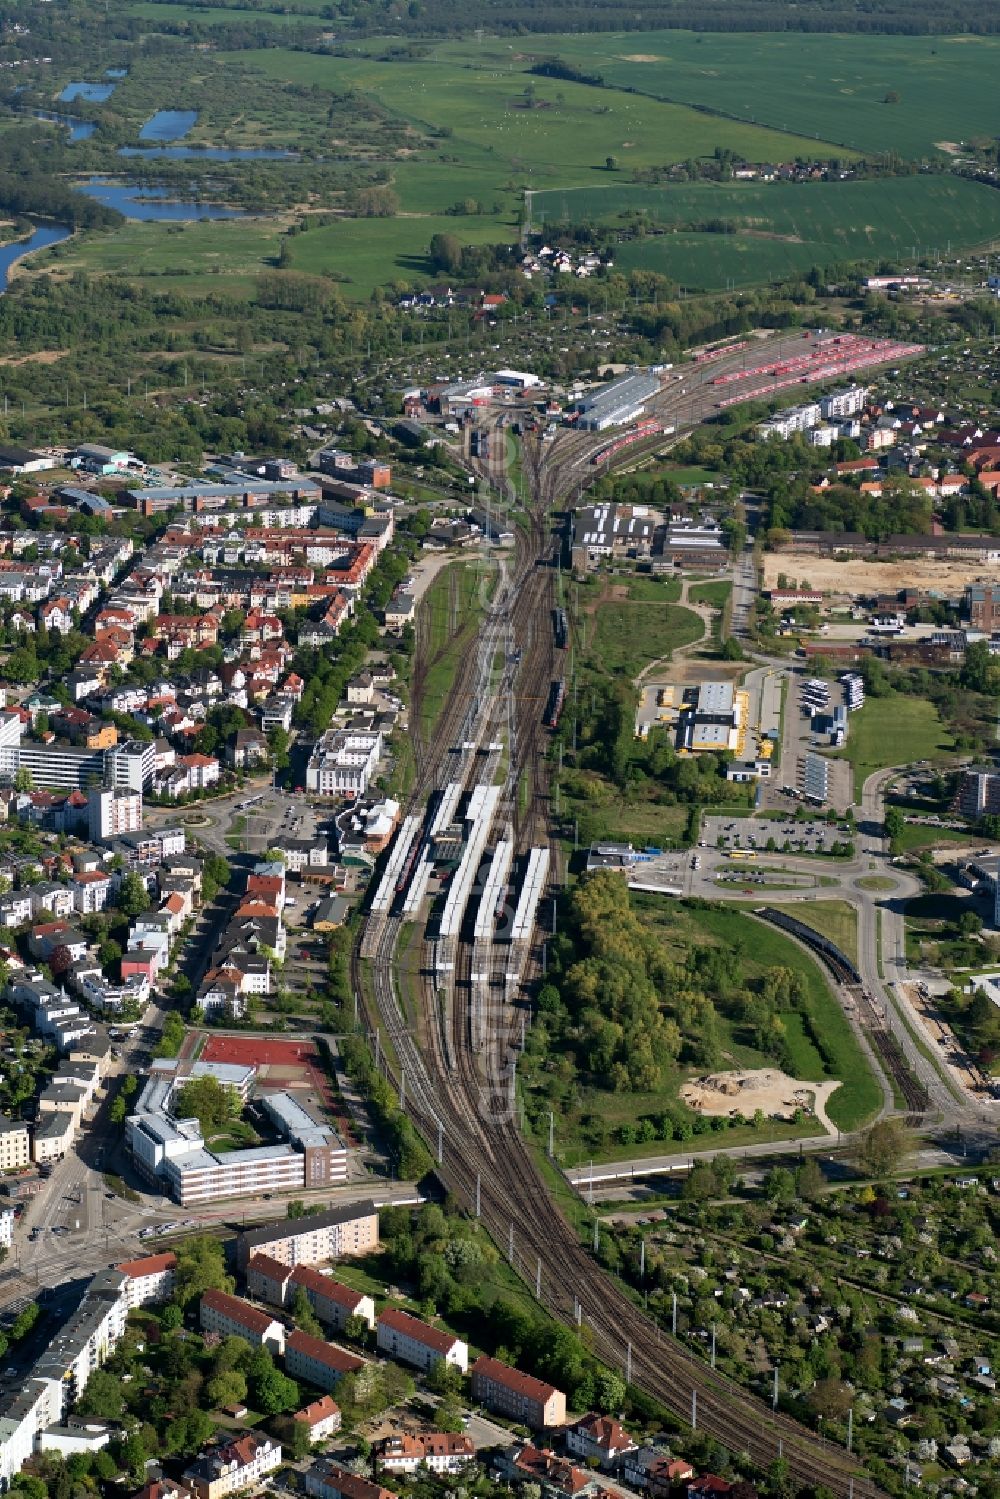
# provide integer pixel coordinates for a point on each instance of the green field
(366, 253)
(237, 250)
(566, 134)
(859, 1095)
(629, 636)
(777, 229)
(827, 87)
(836, 919)
(894, 730)
(716, 594)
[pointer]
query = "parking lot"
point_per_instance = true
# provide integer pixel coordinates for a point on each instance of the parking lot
(787, 835)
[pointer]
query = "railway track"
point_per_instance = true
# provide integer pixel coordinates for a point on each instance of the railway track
(462, 1102)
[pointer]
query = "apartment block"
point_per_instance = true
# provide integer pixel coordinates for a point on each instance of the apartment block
(517, 1396)
(323, 1364)
(414, 1342)
(15, 1144)
(229, 1316)
(339, 1233)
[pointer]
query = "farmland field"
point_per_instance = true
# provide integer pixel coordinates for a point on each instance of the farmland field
(830, 88)
(780, 228)
(564, 134)
(228, 254)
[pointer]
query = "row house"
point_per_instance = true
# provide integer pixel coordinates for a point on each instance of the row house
(228, 1316)
(334, 1304)
(318, 1362)
(407, 1338)
(232, 1467)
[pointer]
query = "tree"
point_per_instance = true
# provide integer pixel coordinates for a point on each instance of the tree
(810, 1180)
(446, 252)
(133, 897)
(779, 1184)
(201, 1266)
(304, 1315)
(882, 1148)
(227, 1388)
(831, 1398)
(274, 1392)
(611, 163)
(209, 1101)
(894, 822)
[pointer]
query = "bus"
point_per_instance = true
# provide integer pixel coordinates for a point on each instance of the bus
(742, 853)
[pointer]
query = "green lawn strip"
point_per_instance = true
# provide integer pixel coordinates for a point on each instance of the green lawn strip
(654, 590)
(732, 1138)
(835, 919)
(888, 729)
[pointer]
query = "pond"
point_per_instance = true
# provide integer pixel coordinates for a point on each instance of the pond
(79, 130)
(168, 125)
(150, 203)
(94, 93)
(208, 153)
(45, 234)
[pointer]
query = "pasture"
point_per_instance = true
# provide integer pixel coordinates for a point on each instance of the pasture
(365, 253)
(779, 228)
(193, 258)
(828, 88)
(557, 131)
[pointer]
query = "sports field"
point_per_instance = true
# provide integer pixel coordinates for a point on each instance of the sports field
(828, 88)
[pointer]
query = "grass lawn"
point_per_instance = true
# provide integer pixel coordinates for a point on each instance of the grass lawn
(453, 603)
(630, 635)
(714, 594)
(365, 253)
(914, 836)
(859, 1095)
(654, 590)
(835, 919)
(563, 136)
(222, 256)
(876, 882)
(893, 730)
(644, 824)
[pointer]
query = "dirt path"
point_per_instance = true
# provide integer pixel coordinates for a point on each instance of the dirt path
(704, 612)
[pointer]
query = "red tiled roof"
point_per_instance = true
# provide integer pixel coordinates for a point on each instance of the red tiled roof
(237, 1311)
(319, 1410)
(152, 1264)
(323, 1352)
(420, 1332)
(265, 1264)
(312, 1279)
(513, 1379)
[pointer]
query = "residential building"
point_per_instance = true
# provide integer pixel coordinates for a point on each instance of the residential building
(229, 1316)
(515, 1395)
(328, 1480)
(414, 1342)
(150, 1279)
(232, 1467)
(334, 1304)
(267, 1279)
(438, 1451)
(339, 1233)
(323, 1364)
(599, 1438)
(321, 1418)
(556, 1476)
(15, 1144)
(113, 812)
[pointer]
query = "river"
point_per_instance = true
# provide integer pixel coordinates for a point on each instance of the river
(44, 235)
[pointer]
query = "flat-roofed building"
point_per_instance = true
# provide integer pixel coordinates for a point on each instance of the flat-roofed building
(336, 1234)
